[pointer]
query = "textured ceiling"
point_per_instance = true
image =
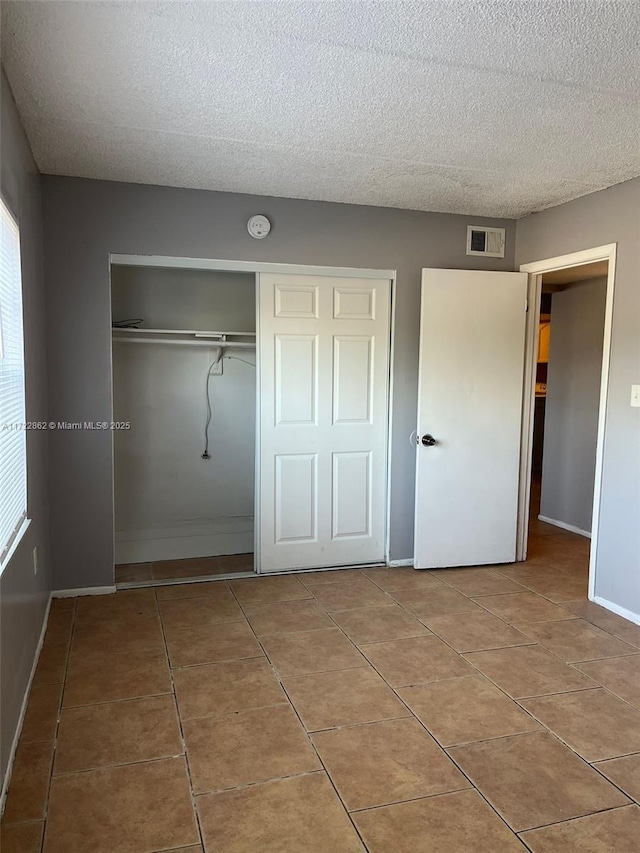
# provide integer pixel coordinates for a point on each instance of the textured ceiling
(492, 107)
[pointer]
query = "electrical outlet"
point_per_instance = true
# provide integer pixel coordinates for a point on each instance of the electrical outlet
(635, 396)
(35, 560)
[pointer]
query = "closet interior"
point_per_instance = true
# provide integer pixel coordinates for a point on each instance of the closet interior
(184, 391)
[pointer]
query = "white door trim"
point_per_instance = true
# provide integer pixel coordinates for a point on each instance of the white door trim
(244, 266)
(391, 343)
(536, 270)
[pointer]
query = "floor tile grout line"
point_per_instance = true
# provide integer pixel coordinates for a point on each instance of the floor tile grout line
(422, 618)
(453, 792)
(524, 622)
(570, 663)
(485, 595)
(525, 710)
(596, 686)
(532, 640)
(196, 817)
(304, 729)
(485, 797)
(577, 663)
(412, 714)
(228, 714)
(594, 764)
(571, 617)
(559, 737)
(118, 701)
(491, 568)
(45, 815)
(439, 745)
(518, 702)
(445, 749)
(604, 630)
(433, 738)
(521, 832)
(424, 725)
(243, 786)
(134, 763)
(611, 782)
(525, 698)
(615, 758)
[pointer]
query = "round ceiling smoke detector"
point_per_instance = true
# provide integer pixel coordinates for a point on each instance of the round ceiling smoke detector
(258, 226)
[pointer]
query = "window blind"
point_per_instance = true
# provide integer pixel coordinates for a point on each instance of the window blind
(13, 451)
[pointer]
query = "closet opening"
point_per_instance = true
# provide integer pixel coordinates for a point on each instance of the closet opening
(184, 393)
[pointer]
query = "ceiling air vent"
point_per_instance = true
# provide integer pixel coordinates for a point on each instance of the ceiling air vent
(485, 241)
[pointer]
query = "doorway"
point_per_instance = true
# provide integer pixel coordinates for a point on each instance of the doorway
(566, 376)
(258, 398)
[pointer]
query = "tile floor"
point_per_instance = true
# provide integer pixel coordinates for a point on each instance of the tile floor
(163, 570)
(483, 710)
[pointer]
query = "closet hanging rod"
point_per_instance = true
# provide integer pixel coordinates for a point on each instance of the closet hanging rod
(198, 333)
(187, 342)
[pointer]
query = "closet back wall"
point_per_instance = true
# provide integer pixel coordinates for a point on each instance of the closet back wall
(169, 502)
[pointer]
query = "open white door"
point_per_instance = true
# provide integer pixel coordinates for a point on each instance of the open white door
(324, 375)
(472, 333)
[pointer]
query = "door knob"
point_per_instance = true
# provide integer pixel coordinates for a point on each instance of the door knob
(428, 440)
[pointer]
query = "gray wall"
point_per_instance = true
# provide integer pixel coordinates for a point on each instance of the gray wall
(23, 595)
(573, 397)
(610, 216)
(86, 220)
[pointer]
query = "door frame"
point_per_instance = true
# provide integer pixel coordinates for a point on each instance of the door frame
(536, 270)
(257, 267)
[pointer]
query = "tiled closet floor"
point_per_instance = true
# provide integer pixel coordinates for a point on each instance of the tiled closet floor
(172, 570)
(482, 710)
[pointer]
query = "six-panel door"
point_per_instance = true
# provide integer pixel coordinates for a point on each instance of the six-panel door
(324, 378)
(470, 402)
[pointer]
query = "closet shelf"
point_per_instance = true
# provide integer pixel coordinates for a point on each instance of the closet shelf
(184, 337)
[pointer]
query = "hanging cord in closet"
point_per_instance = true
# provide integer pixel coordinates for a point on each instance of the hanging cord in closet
(221, 357)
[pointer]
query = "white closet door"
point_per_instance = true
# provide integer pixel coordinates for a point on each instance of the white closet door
(324, 376)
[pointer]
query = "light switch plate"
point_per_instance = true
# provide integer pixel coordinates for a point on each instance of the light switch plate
(635, 396)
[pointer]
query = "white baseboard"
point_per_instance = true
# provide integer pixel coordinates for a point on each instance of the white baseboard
(564, 526)
(619, 611)
(233, 535)
(83, 590)
(397, 563)
(23, 710)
